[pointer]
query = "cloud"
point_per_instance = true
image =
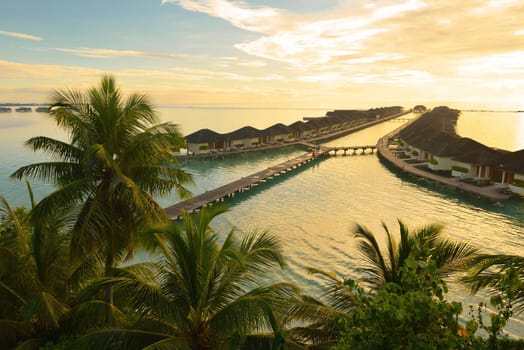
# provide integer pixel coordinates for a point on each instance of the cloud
(21, 35)
(258, 19)
(298, 40)
(358, 33)
(202, 74)
(510, 64)
(256, 63)
(109, 53)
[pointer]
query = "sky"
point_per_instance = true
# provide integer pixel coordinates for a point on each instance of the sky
(467, 54)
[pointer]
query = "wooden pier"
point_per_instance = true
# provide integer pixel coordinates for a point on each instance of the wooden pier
(244, 184)
(229, 190)
(352, 149)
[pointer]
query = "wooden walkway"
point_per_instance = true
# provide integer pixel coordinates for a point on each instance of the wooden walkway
(244, 184)
(352, 149)
(488, 192)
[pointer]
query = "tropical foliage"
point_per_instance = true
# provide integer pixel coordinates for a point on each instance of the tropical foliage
(383, 273)
(37, 283)
(202, 294)
(319, 316)
(491, 271)
(118, 160)
(414, 316)
(382, 266)
(62, 284)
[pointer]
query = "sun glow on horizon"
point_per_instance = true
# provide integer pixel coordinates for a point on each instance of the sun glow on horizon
(224, 52)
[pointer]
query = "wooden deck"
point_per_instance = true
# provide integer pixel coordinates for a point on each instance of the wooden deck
(352, 149)
(488, 192)
(245, 183)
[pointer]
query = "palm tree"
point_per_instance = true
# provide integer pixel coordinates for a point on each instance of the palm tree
(320, 316)
(383, 268)
(116, 163)
(203, 294)
(487, 270)
(38, 284)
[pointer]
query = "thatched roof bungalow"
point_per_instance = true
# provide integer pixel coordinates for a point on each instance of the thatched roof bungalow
(203, 141)
(512, 167)
(301, 130)
(244, 137)
(277, 133)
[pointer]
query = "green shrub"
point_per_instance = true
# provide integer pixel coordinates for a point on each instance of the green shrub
(433, 161)
(518, 183)
(415, 153)
(460, 169)
(413, 315)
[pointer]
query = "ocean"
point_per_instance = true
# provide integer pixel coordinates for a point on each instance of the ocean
(314, 211)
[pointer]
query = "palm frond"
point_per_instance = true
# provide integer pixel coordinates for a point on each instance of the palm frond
(86, 315)
(487, 270)
(377, 266)
(12, 330)
(121, 339)
(332, 275)
(56, 148)
(269, 341)
(451, 256)
(6, 207)
(45, 309)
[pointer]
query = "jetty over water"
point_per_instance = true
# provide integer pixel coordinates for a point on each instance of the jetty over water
(229, 190)
(244, 184)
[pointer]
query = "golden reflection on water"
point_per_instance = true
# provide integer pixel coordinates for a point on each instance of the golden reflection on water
(520, 132)
(503, 130)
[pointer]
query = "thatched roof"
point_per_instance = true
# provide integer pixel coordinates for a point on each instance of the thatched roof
(513, 161)
(204, 136)
(276, 129)
(299, 125)
(246, 132)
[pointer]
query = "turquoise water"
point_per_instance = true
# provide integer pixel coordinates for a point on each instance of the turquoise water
(315, 210)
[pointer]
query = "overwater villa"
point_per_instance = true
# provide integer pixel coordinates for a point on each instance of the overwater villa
(42, 109)
(432, 141)
(207, 141)
(24, 109)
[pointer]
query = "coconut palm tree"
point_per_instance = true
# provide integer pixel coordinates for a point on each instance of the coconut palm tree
(203, 294)
(489, 270)
(38, 284)
(382, 268)
(319, 316)
(118, 160)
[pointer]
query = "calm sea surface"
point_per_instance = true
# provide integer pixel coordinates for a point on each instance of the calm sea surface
(314, 211)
